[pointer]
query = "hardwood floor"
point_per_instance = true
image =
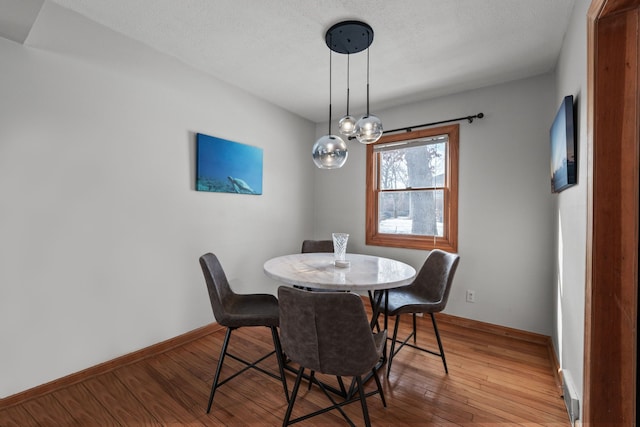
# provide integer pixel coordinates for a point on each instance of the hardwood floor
(494, 379)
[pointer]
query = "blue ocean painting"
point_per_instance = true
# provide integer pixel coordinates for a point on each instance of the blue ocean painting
(559, 153)
(563, 148)
(227, 167)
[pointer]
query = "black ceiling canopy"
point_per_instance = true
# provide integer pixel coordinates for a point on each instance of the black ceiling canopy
(349, 37)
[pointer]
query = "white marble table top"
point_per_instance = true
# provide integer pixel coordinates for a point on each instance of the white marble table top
(316, 270)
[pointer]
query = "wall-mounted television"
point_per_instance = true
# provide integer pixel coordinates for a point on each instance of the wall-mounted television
(563, 147)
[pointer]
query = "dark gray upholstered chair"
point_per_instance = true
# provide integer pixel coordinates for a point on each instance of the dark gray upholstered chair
(317, 246)
(312, 246)
(427, 294)
(235, 311)
(328, 332)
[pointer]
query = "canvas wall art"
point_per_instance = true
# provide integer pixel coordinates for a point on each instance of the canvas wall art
(563, 147)
(227, 167)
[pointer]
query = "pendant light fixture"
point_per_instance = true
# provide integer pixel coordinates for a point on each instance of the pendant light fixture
(368, 128)
(330, 151)
(350, 37)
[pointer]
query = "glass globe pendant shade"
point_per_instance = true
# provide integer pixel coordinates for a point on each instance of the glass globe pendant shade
(329, 152)
(347, 125)
(368, 129)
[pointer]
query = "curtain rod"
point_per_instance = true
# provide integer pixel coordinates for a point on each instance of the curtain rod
(410, 128)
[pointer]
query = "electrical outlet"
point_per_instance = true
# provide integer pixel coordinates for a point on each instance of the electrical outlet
(471, 296)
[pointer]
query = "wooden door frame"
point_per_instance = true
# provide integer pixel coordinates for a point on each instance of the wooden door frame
(611, 298)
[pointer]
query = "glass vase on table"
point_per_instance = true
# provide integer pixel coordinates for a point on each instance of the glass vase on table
(340, 249)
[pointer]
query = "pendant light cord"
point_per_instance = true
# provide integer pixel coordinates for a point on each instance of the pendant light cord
(330, 91)
(368, 49)
(348, 72)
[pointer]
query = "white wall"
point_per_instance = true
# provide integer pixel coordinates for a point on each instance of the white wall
(100, 226)
(505, 203)
(571, 207)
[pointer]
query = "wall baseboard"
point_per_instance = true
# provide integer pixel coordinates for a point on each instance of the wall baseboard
(494, 329)
(557, 371)
(109, 365)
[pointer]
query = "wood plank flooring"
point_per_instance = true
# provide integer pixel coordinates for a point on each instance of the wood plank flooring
(493, 380)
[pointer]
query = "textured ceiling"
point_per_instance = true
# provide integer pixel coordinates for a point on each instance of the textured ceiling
(275, 49)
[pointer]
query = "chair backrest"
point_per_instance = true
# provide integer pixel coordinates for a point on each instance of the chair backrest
(435, 277)
(317, 246)
(220, 293)
(327, 332)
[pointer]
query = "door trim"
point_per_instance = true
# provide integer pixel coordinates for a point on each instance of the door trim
(611, 298)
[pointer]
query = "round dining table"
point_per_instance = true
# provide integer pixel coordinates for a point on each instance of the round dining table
(364, 273)
(318, 270)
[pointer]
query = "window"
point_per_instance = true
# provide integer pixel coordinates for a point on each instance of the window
(412, 190)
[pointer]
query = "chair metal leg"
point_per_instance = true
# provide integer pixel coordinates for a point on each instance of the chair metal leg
(435, 328)
(363, 401)
(223, 353)
(341, 384)
(249, 365)
(375, 376)
(393, 345)
(394, 351)
(279, 356)
(312, 376)
(415, 336)
(358, 384)
(294, 393)
(375, 309)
